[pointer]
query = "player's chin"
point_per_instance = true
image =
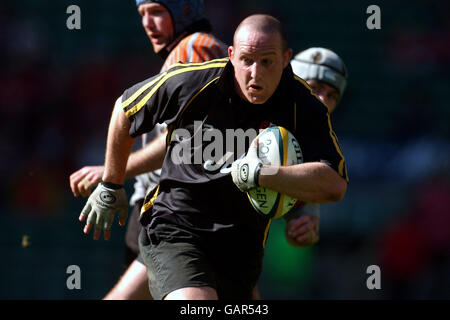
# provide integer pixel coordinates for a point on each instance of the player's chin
(157, 47)
(257, 99)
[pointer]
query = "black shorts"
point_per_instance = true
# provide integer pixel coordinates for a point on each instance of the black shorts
(132, 234)
(194, 261)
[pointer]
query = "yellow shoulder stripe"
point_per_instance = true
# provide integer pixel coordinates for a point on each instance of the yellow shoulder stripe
(147, 97)
(182, 64)
(149, 84)
(141, 90)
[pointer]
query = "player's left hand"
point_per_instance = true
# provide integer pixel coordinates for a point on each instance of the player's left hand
(302, 231)
(84, 180)
(245, 171)
(100, 208)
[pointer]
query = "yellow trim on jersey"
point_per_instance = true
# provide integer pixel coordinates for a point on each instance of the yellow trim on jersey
(147, 205)
(332, 135)
(183, 64)
(149, 84)
(167, 76)
(279, 212)
(251, 201)
(266, 233)
(193, 97)
(303, 82)
(170, 129)
(285, 139)
(134, 96)
(338, 149)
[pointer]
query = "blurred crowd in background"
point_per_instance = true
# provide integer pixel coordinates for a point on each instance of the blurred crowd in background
(58, 87)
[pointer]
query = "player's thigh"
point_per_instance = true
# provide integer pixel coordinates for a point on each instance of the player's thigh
(173, 266)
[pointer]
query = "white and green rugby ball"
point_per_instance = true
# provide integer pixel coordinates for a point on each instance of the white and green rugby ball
(276, 147)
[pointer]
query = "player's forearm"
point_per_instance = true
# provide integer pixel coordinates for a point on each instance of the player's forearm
(118, 146)
(310, 182)
(147, 159)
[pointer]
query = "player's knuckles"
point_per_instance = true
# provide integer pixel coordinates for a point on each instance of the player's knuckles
(305, 219)
(75, 175)
(302, 240)
(92, 176)
(81, 190)
(309, 226)
(299, 221)
(300, 230)
(296, 224)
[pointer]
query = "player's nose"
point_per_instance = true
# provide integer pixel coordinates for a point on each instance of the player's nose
(148, 21)
(255, 71)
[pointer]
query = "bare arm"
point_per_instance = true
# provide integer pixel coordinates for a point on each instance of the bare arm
(147, 159)
(310, 182)
(118, 146)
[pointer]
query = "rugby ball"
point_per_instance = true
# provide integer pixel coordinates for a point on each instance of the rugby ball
(276, 147)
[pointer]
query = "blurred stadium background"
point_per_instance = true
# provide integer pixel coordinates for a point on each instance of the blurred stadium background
(57, 88)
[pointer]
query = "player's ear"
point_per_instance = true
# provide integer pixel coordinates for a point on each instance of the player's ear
(287, 55)
(231, 53)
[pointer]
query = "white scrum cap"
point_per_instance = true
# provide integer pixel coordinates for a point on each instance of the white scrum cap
(323, 65)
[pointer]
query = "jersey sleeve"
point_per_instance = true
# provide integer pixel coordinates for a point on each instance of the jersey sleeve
(315, 134)
(146, 103)
(161, 98)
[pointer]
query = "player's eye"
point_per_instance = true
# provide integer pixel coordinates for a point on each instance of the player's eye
(333, 96)
(266, 62)
(157, 12)
(247, 61)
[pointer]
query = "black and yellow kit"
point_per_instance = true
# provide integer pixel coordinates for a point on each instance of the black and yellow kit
(197, 201)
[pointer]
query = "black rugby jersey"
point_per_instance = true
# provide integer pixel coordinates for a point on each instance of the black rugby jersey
(202, 110)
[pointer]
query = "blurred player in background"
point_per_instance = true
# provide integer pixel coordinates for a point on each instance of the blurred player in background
(324, 71)
(178, 32)
(326, 74)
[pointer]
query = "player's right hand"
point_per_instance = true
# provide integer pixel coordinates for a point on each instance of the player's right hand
(84, 180)
(302, 231)
(100, 208)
